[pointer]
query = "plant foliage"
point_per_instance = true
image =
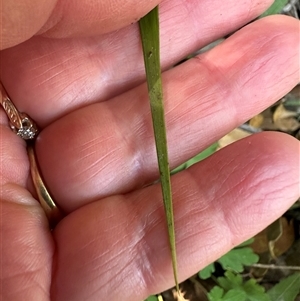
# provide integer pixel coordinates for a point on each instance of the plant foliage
(232, 285)
(234, 260)
(275, 8)
(287, 289)
(152, 298)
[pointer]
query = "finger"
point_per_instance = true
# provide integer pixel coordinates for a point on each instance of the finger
(26, 243)
(21, 20)
(27, 246)
(48, 78)
(75, 18)
(108, 148)
(119, 247)
(13, 160)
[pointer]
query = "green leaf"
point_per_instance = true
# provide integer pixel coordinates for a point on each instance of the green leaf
(201, 156)
(149, 30)
(253, 291)
(286, 290)
(207, 271)
(234, 260)
(246, 243)
(230, 281)
(237, 258)
(235, 295)
(217, 294)
(152, 298)
(275, 8)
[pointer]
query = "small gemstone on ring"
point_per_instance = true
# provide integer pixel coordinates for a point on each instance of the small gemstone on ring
(26, 133)
(28, 130)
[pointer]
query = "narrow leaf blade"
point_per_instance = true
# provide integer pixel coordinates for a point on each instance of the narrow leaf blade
(287, 289)
(275, 8)
(149, 30)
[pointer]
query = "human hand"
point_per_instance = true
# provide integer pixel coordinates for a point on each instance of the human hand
(96, 149)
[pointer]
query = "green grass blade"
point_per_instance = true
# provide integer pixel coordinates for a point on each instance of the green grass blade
(149, 30)
(275, 8)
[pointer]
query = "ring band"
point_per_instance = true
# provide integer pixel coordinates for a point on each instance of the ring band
(52, 212)
(26, 128)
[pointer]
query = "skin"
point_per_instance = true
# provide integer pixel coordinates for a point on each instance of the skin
(76, 68)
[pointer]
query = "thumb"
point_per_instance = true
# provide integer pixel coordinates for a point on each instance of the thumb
(21, 19)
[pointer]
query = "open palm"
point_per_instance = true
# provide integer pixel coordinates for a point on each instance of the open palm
(81, 78)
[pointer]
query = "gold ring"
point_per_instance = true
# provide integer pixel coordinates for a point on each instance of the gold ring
(26, 128)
